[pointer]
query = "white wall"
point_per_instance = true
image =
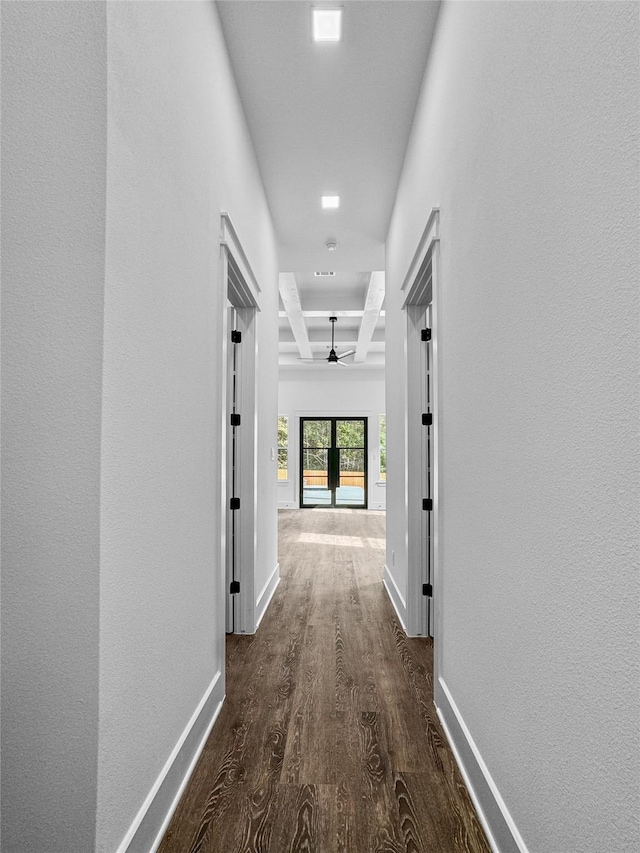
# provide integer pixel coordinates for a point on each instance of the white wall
(123, 140)
(54, 118)
(267, 473)
(179, 154)
(526, 137)
(329, 392)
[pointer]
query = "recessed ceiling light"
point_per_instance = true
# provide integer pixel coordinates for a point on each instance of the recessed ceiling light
(327, 24)
(330, 202)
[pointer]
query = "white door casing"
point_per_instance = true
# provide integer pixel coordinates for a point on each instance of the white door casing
(422, 285)
(242, 292)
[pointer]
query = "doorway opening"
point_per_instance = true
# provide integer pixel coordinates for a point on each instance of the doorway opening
(424, 481)
(239, 442)
(333, 463)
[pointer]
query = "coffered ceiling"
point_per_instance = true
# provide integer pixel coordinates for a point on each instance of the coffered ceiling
(330, 118)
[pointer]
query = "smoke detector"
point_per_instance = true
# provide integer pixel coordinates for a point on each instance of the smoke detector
(331, 245)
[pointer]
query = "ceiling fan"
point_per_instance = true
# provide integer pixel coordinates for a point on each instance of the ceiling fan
(332, 357)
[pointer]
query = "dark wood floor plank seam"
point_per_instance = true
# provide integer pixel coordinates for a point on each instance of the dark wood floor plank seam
(328, 741)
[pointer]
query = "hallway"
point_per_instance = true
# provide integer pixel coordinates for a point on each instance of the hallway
(161, 161)
(328, 739)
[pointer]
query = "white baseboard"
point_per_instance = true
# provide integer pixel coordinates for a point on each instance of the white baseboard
(399, 604)
(288, 505)
(264, 599)
(150, 824)
(502, 833)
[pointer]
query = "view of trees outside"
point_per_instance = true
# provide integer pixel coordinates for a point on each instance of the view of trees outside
(316, 439)
(315, 460)
(350, 434)
(383, 447)
(349, 438)
(351, 460)
(283, 447)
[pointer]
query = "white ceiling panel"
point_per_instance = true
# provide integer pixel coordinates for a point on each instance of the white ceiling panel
(330, 118)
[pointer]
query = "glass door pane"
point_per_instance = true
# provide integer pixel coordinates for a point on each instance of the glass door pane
(315, 446)
(351, 441)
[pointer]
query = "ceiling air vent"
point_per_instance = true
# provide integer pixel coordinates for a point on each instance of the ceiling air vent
(322, 274)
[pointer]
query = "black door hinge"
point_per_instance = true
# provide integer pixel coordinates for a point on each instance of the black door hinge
(425, 335)
(427, 589)
(235, 419)
(427, 503)
(234, 587)
(427, 419)
(236, 337)
(234, 503)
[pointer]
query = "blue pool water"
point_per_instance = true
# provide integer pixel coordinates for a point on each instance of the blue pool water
(345, 495)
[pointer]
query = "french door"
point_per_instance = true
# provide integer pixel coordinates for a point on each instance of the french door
(333, 462)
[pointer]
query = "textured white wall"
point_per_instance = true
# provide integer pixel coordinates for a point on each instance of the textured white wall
(54, 117)
(267, 473)
(179, 154)
(123, 140)
(526, 136)
(331, 393)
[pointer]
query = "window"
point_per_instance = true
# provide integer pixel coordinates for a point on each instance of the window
(283, 447)
(383, 447)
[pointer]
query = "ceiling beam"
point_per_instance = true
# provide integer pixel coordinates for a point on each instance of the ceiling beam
(372, 306)
(321, 314)
(291, 301)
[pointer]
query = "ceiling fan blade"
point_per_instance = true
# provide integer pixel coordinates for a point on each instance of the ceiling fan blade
(345, 354)
(321, 358)
(342, 364)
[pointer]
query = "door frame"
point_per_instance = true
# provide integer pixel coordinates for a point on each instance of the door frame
(333, 419)
(419, 293)
(240, 288)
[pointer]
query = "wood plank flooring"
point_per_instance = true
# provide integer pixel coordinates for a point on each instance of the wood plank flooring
(328, 741)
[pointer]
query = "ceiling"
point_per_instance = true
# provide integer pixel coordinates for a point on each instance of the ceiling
(330, 119)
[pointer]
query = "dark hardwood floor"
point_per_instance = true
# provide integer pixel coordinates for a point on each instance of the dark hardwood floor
(328, 740)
